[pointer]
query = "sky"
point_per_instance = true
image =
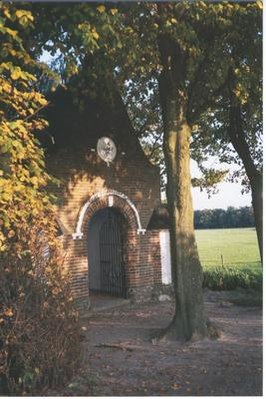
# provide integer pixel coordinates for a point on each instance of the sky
(229, 194)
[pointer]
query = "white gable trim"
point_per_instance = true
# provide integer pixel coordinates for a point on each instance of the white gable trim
(110, 193)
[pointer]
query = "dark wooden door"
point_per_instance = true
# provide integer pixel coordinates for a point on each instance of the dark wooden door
(112, 269)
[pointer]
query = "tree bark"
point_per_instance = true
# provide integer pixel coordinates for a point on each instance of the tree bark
(257, 203)
(238, 140)
(189, 320)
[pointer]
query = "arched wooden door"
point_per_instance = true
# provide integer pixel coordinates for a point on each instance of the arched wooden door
(108, 265)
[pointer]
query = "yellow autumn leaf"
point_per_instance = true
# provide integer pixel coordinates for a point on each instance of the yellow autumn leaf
(2, 247)
(95, 35)
(11, 32)
(13, 52)
(34, 180)
(11, 234)
(203, 4)
(24, 14)
(42, 101)
(19, 13)
(101, 8)
(6, 87)
(5, 197)
(16, 74)
(6, 13)
(114, 11)
(260, 5)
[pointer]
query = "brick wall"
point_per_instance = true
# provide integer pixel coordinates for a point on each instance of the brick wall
(142, 256)
(83, 174)
(80, 180)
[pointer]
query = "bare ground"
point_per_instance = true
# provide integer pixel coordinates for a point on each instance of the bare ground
(121, 359)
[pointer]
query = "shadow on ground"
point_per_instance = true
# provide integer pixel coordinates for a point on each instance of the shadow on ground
(120, 358)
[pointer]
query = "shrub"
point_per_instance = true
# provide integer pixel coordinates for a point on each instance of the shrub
(39, 336)
(229, 278)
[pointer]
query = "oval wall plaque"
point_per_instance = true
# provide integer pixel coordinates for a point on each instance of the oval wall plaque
(106, 149)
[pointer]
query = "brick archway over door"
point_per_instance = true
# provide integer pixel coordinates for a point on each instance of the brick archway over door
(113, 199)
(110, 198)
(106, 201)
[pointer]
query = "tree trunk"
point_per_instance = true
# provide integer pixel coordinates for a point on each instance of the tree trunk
(257, 203)
(189, 319)
(237, 138)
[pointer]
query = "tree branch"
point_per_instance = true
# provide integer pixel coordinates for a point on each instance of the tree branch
(198, 72)
(193, 116)
(236, 131)
(154, 147)
(36, 112)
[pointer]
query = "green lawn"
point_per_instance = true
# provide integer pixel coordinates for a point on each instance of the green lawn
(240, 267)
(237, 246)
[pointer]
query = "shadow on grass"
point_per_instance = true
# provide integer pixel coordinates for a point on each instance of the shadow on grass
(245, 297)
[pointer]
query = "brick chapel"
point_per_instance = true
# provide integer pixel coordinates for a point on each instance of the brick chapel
(108, 208)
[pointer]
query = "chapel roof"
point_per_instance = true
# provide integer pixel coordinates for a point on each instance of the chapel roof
(78, 119)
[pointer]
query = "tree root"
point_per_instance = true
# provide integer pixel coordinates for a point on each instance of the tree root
(121, 346)
(174, 333)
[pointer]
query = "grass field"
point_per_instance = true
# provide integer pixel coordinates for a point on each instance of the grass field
(230, 258)
(237, 246)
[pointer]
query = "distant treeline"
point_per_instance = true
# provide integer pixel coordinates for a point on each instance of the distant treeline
(221, 218)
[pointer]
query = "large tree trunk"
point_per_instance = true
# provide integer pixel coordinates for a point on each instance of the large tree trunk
(257, 203)
(237, 137)
(189, 319)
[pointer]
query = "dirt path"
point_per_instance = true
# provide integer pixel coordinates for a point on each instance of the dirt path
(230, 365)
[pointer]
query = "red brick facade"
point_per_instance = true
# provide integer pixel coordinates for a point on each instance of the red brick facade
(130, 184)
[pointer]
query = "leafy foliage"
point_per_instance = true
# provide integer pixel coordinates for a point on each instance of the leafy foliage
(245, 81)
(39, 329)
(229, 278)
(22, 177)
(117, 45)
(221, 218)
(39, 335)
